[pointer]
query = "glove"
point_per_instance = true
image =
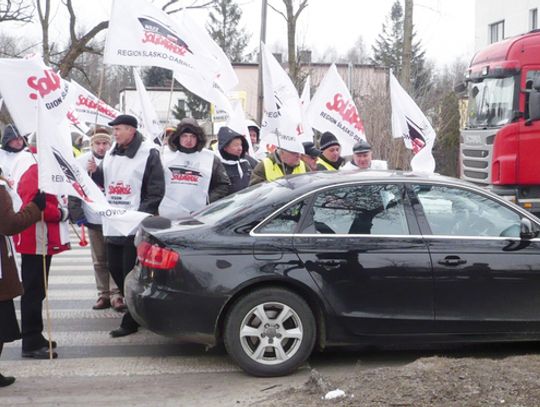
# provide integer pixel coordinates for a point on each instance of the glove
(82, 221)
(64, 214)
(39, 199)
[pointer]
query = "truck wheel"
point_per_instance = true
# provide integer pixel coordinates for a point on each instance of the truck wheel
(270, 332)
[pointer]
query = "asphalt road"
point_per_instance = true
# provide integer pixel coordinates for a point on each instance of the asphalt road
(147, 369)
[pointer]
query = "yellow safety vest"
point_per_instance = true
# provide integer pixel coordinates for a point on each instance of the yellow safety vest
(325, 164)
(273, 171)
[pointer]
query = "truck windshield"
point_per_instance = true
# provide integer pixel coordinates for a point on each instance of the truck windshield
(491, 102)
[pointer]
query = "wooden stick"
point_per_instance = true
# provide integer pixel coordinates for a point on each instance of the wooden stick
(46, 286)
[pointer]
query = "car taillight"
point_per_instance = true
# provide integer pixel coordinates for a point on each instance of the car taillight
(153, 256)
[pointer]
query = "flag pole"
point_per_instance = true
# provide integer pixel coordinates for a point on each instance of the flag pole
(43, 256)
(46, 286)
(100, 87)
(171, 90)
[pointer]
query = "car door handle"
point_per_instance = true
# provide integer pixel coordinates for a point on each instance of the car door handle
(452, 261)
(332, 263)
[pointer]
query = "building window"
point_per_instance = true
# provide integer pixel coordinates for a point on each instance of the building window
(496, 32)
(533, 19)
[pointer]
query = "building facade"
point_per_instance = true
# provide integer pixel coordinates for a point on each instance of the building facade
(496, 20)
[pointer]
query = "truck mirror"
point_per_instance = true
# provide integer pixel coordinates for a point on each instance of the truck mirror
(460, 87)
(536, 84)
(534, 104)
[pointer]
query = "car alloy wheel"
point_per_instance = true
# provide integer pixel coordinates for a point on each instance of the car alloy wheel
(270, 332)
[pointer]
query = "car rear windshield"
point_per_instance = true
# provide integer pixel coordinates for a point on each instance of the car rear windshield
(242, 202)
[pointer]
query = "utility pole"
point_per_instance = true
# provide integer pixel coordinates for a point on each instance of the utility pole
(401, 160)
(406, 59)
(260, 83)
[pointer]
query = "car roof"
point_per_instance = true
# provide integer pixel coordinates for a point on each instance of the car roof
(320, 179)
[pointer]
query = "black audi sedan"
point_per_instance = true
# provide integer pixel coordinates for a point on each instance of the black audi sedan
(326, 259)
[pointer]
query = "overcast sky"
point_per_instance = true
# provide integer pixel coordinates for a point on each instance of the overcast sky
(445, 27)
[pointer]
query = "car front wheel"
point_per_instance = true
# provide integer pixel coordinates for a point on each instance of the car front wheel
(270, 332)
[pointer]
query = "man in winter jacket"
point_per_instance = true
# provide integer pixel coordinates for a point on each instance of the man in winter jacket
(362, 158)
(194, 175)
(81, 215)
(47, 237)
(232, 150)
(278, 164)
(133, 179)
(10, 285)
(330, 158)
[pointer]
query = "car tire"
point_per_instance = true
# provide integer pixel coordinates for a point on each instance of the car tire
(270, 332)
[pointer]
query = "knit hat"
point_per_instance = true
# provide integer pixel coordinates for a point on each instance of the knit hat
(101, 136)
(310, 149)
(328, 140)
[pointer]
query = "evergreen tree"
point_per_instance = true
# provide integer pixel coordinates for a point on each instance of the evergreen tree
(224, 29)
(157, 76)
(388, 51)
(446, 150)
(194, 107)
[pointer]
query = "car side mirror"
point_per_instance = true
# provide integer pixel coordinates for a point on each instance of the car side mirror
(526, 230)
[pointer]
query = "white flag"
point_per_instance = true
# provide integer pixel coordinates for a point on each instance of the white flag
(141, 34)
(61, 174)
(23, 81)
(332, 109)
(305, 100)
(151, 127)
(76, 125)
(409, 122)
(282, 119)
(91, 109)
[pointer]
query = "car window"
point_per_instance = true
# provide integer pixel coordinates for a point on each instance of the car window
(454, 211)
(359, 210)
(242, 202)
(284, 222)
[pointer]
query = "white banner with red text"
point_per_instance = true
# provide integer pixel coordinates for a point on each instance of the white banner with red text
(23, 81)
(332, 109)
(141, 34)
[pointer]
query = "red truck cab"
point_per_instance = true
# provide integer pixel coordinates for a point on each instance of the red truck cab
(500, 144)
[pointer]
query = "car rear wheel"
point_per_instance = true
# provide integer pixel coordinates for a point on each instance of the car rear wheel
(270, 332)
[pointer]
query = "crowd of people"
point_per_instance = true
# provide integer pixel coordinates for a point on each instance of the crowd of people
(172, 180)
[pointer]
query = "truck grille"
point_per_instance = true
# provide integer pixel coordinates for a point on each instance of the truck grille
(475, 164)
(476, 151)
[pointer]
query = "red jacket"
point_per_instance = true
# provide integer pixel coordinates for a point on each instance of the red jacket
(30, 240)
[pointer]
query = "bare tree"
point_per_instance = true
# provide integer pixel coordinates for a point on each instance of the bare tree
(172, 6)
(16, 10)
(78, 43)
(291, 17)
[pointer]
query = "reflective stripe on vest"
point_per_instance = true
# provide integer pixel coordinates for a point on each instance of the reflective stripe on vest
(325, 164)
(273, 171)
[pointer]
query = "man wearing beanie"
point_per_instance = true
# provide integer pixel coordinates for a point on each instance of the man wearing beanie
(232, 150)
(194, 175)
(132, 176)
(81, 214)
(12, 144)
(330, 158)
